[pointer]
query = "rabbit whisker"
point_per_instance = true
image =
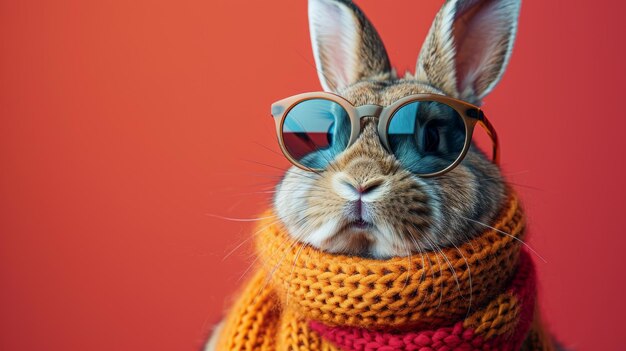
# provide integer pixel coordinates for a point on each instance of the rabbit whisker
(507, 234)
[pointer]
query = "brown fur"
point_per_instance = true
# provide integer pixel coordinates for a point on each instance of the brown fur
(473, 190)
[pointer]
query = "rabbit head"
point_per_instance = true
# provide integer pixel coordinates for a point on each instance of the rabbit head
(365, 202)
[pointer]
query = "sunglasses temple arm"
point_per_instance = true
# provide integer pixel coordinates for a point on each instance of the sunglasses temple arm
(491, 131)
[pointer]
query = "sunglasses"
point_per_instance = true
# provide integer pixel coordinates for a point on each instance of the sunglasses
(429, 134)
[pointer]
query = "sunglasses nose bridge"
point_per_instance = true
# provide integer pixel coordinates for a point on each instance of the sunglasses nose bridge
(365, 111)
(368, 111)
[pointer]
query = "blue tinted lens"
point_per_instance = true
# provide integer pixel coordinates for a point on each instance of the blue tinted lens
(426, 136)
(315, 131)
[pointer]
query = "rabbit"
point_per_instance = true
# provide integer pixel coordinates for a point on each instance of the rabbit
(464, 56)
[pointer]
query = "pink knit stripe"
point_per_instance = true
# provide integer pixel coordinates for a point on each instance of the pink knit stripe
(449, 338)
(354, 339)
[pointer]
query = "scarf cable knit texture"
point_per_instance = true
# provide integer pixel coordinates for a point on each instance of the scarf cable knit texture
(301, 298)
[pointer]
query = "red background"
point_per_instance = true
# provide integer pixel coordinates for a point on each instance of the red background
(124, 124)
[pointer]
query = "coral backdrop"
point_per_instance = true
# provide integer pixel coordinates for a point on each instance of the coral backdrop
(126, 126)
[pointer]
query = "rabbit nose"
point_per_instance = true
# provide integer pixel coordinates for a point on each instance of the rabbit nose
(353, 190)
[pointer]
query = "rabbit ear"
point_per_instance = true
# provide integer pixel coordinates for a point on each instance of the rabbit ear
(468, 46)
(346, 46)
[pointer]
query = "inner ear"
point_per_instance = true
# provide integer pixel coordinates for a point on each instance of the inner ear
(468, 47)
(464, 37)
(481, 34)
(346, 47)
(334, 34)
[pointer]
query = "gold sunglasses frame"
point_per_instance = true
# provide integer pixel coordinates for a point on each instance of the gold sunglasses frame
(471, 115)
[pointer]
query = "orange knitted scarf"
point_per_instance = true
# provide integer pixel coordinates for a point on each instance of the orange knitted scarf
(479, 296)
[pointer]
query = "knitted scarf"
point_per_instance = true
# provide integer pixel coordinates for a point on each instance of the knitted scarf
(477, 296)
